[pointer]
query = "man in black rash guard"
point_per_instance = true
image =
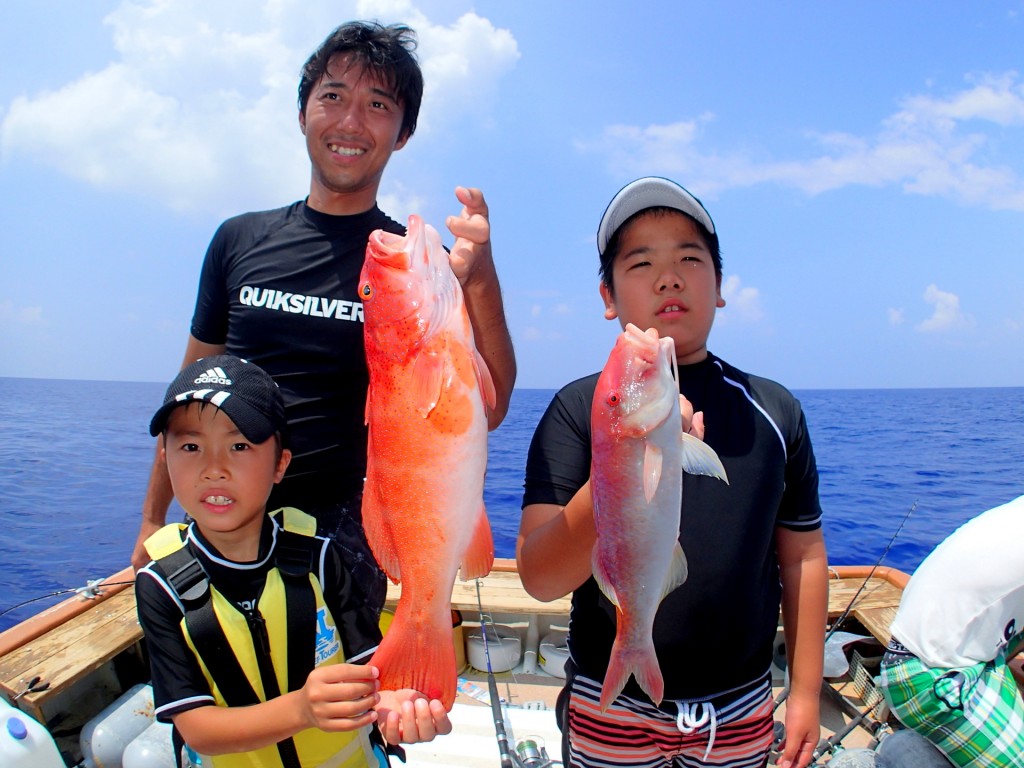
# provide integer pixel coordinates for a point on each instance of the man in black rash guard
(751, 545)
(279, 288)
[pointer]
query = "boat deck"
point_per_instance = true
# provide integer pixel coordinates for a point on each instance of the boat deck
(59, 657)
(81, 646)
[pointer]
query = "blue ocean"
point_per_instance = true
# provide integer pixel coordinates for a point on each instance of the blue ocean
(75, 457)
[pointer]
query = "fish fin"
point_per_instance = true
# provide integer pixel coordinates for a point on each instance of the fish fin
(428, 373)
(418, 655)
(378, 534)
(479, 556)
(677, 571)
(652, 469)
(483, 375)
(642, 663)
(603, 581)
(699, 458)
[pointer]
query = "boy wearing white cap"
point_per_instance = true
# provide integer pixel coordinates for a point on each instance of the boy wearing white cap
(257, 632)
(752, 545)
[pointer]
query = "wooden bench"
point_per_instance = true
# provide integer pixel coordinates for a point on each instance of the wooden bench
(70, 651)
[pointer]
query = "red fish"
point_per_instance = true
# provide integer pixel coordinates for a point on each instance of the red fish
(638, 457)
(426, 409)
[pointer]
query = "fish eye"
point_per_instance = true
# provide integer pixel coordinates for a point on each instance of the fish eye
(613, 398)
(365, 291)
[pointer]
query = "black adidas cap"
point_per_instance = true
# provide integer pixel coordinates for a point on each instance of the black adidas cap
(243, 390)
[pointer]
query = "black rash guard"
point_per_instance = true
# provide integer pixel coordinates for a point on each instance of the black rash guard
(279, 288)
(716, 631)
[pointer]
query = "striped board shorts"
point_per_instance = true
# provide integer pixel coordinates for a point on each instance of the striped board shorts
(733, 729)
(974, 714)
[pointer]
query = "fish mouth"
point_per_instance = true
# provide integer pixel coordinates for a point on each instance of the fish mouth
(645, 344)
(396, 251)
(650, 364)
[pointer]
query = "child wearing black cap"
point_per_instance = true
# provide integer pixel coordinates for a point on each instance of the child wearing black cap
(751, 544)
(257, 633)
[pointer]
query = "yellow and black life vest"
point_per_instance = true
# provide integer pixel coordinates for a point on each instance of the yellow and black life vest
(250, 657)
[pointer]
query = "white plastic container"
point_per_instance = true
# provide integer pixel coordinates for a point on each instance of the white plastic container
(104, 738)
(554, 652)
(503, 645)
(150, 749)
(24, 742)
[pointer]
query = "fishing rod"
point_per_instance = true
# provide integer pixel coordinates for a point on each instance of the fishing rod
(532, 756)
(784, 694)
(827, 746)
(88, 592)
(892, 540)
(492, 687)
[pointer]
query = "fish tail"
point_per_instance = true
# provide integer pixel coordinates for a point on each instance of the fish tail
(419, 657)
(642, 663)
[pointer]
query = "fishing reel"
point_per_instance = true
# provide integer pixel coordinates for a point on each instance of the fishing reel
(530, 752)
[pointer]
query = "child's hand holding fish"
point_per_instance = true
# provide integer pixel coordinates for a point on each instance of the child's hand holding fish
(344, 697)
(408, 717)
(340, 697)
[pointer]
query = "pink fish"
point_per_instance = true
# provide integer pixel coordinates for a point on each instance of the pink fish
(423, 507)
(638, 456)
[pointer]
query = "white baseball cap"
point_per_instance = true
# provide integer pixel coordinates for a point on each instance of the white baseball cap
(649, 192)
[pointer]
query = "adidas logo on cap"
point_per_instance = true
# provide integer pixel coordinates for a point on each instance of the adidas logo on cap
(213, 376)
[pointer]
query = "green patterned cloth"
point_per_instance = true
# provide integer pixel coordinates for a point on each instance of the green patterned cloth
(974, 714)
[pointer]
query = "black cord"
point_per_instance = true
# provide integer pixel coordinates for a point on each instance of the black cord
(839, 622)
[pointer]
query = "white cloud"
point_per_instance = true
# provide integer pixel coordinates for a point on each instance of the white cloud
(628, 150)
(199, 110)
(947, 315)
(400, 201)
(939, 146)
(21, 316)
(896, 316)
(742, 303)
(539, 334)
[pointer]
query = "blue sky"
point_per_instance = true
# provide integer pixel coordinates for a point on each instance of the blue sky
(863, 162)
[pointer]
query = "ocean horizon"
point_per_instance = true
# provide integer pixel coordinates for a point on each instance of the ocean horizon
(75, 458)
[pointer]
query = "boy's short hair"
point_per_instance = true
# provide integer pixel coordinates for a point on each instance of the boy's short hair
(640, 196)
(386, 52)
(244, 391)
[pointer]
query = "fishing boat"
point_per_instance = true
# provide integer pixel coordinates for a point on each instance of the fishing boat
(71, 668)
